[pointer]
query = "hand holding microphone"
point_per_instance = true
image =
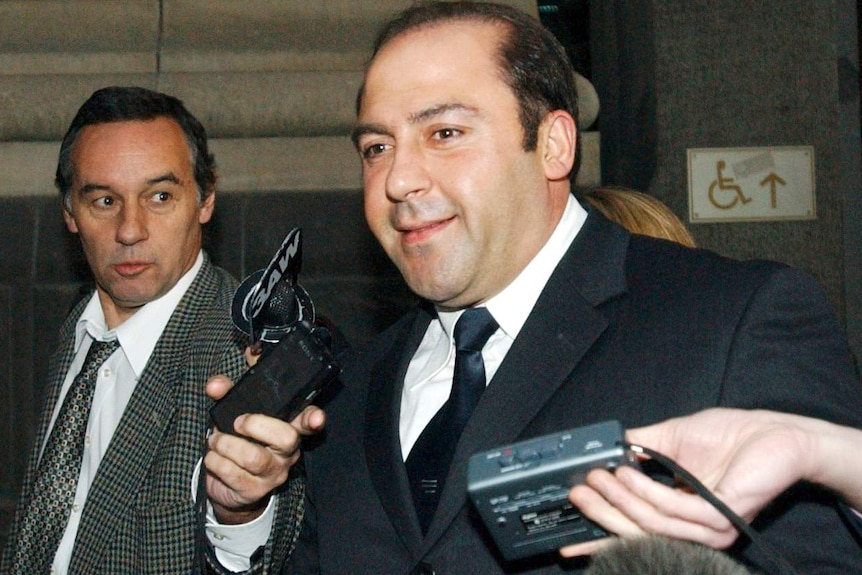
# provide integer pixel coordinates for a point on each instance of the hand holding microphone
(249, 456)
(296, 364)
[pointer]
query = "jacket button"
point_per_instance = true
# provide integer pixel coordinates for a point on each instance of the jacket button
(423, 569)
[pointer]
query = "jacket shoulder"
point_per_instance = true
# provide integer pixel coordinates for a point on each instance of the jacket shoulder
(661, 263)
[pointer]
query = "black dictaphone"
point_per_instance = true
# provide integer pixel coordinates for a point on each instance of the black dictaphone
(286, 379)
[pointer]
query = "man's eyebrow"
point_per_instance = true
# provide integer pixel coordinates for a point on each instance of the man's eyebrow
(434, 111)
(415, 118)
(87, 188)
(168, 177)
(363, 129)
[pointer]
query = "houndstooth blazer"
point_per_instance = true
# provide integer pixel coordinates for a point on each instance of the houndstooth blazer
(139, 517)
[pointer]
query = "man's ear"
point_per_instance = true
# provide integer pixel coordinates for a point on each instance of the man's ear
(558, 135)
(71, 225)
(206, 208)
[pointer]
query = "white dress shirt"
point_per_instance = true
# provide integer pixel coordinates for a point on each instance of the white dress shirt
(428, 381)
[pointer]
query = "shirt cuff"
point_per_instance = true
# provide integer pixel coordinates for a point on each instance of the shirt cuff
(235, 544)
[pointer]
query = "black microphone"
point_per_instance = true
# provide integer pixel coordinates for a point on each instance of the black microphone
(269, 302)
(296, 364)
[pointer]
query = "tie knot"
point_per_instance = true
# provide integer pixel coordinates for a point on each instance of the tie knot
(97, 354)
(473, 329)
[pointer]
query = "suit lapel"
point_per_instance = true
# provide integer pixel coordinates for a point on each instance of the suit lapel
(382, 440)
(560, 330)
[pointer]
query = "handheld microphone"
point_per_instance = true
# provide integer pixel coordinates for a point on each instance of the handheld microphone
(296, 364)
(269, 302)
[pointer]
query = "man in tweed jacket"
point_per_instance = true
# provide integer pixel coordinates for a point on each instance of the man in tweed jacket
(138, 204)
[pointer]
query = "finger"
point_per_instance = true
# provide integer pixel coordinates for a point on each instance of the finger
(657, 508)
(217, 386)
(220, 466)
(226, 450)
(246, 466)
(673, 502)
(311, 420)
(252, 353)
(593, 506)
(231, 485)
(224, 474)
(588, 548)
(276, 435)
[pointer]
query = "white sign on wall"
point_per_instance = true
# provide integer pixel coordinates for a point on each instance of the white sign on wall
(751, 184)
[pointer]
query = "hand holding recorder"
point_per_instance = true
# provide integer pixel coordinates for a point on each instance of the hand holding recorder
(747, 458)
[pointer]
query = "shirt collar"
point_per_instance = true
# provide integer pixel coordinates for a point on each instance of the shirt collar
(513, 305)
(139, 334)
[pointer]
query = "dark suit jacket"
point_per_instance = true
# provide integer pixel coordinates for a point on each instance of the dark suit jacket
(139, 518)
(628, 328)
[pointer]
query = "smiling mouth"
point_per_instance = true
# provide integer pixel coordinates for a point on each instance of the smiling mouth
(422, 232)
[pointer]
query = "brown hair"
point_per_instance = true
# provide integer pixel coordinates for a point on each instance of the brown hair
(133, 103)
(639, 213)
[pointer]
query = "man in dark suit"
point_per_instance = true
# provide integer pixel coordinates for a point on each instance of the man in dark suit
(137, 183)
(468, 143)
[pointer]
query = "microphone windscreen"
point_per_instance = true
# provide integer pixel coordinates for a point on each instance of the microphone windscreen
(269, 302)
(281, 309)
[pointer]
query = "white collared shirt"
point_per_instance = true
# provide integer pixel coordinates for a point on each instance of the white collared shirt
(428, 381)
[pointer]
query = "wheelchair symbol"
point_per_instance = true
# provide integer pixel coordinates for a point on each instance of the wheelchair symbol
(725, 185)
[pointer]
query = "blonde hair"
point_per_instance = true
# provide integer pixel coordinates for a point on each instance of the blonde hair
(639, 213)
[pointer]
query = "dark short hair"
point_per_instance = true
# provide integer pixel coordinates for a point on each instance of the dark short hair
(533, 63)
(129, 104)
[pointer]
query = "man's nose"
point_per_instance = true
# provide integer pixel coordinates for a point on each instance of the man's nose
(408, 173)
(132, 225)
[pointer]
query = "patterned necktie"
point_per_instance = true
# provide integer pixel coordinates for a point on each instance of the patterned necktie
(429, 460)
(44, 520)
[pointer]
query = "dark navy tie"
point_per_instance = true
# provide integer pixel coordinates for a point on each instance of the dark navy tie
(429, 460)
(56, 481)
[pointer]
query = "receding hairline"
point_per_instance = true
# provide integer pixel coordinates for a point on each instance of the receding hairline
(505, 31)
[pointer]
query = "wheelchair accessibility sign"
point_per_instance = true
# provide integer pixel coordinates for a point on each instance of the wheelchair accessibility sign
(751, 184)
